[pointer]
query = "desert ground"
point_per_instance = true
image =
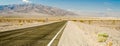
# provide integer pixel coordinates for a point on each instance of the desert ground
(60, 31)
(81, 34)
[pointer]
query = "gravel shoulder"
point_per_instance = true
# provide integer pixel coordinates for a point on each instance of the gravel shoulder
(72, 36)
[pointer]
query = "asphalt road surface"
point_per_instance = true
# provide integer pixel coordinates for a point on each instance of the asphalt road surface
(32, 36)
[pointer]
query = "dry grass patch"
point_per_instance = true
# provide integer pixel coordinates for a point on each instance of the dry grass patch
(102, 37)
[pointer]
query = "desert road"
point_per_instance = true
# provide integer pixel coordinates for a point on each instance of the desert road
(33, 36)
(60, 34)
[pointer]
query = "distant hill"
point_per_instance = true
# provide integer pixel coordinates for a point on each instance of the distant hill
(33, 10)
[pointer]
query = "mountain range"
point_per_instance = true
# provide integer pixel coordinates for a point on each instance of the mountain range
(33, 10)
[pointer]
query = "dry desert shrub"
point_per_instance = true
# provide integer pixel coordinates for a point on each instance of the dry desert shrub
(102, 37)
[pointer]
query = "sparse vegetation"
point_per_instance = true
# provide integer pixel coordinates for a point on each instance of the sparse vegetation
(109, 44)
(102, 37)
(103, 34)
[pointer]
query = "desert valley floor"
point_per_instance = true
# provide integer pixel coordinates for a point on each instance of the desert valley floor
(60, 33)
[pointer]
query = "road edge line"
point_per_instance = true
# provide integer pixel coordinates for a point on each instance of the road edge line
(49, 44)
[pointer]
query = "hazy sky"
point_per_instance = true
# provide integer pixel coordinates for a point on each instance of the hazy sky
(80, 5)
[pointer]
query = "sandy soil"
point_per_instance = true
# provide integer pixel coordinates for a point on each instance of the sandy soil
(80, 34)
(92, 30)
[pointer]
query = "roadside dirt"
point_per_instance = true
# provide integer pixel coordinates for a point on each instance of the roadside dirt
(80, 34)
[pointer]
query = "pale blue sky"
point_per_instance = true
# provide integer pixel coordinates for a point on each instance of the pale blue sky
(82, 5)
